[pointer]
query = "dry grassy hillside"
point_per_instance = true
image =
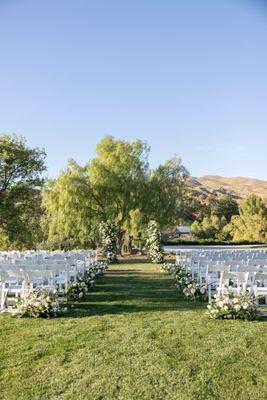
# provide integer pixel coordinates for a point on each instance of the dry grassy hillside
(239, 187)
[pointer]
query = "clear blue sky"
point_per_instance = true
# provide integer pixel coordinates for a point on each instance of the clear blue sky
(189, 77)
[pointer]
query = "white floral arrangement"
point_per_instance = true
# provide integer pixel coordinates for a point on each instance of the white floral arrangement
(168, 268)
(195, 291)
(88, 277)
(108, 237)
(38, 304)
(186, 284)
(153, 243)
(232, 305)
(100, 268)
(77, 291)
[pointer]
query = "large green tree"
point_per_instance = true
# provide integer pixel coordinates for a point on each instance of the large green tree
(115, 185)
(251, 223)
(21, 179)
(211, 227)
(225, 206)
(167, 194)
(108, 188)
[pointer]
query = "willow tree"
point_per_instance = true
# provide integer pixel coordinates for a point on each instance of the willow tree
(118, 175)
(166, 196)
(72, 212)
(115, 185)
(107, 188)
(21, 179)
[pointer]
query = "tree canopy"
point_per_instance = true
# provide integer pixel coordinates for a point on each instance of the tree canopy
(251, 223)
(21, 179)
(116, 185)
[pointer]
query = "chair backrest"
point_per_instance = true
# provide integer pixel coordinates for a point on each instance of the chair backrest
(248, 268)
(240, 279)
(260, 276)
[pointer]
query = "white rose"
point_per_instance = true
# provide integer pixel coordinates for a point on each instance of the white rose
(237, 307)
(193, 291)
(203, 290)
(246, 306)
(220, 304)
(80, 295)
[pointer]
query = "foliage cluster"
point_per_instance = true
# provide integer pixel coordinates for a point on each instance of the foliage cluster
(249, 225)
(116, 185)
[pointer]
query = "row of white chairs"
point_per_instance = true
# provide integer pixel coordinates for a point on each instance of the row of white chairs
(50, 271)
(211, 269)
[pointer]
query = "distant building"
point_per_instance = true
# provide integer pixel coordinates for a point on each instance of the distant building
(183, 231)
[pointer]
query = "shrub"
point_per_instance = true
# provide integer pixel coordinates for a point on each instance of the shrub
(38, 304)
(234, 306)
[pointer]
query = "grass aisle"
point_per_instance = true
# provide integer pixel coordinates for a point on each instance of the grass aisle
(135, 338)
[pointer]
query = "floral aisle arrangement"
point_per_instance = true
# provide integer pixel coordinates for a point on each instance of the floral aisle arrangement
(38, 304)
(88, 278)
(185, 282)
(153, 243)
(100, 268)
(108, 237)
(90, 275)
(86, 281)
(168, 268)
(195, 291)
(77, 291)
(234, 306)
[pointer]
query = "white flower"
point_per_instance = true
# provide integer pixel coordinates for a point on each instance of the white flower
(80, 295)
(237, 307)
(246, 306)
(203, 290)
(220, 304)
(193, 291)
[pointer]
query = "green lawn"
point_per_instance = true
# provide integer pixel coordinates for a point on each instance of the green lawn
(135, 338)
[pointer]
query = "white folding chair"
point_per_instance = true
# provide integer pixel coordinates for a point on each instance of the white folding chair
(259, 287)
(238, 282)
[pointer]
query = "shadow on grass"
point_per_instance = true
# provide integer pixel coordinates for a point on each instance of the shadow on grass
(133, 291)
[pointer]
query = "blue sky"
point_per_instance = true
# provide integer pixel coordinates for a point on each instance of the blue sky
(189, 77)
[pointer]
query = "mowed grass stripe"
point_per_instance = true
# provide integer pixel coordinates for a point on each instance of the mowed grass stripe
(133, 338)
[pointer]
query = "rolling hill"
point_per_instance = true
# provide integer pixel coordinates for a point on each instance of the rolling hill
(238, 187)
